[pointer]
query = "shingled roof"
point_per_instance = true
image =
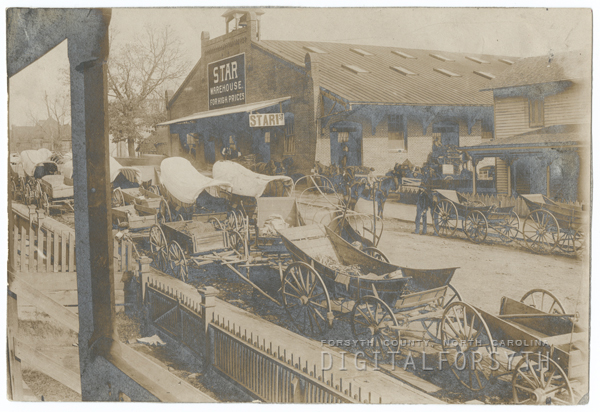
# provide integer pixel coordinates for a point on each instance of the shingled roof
(544, 69)
(395, 75)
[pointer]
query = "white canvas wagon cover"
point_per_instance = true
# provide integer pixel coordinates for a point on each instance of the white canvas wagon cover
(133, 174)
(184, 182)
(30, 158)
(245, 182)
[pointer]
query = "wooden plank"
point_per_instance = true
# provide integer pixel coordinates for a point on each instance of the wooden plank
(56, 311)
(49, 366)
(39, 249)
(63, 252)
(130, 265)
(48, 249)
(71, 252)
(55, 252)
(31, 247)
(15, 247)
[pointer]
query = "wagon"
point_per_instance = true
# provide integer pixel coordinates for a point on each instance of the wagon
(551, 225)
(383, 300)
(532, 343)
(265, 202)
(55, 193)
(477, 218)
(190, 195)
(137, 219)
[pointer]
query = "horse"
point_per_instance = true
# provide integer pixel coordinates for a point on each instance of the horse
(381, 188)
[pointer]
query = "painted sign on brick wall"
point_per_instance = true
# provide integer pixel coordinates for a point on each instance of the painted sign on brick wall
(266, 119)
(227, 82)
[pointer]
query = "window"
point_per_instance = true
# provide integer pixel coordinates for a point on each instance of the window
(395, 132)
(289, 143)
(536, 112)
(267, 137)
(343, 137)
(192, 139)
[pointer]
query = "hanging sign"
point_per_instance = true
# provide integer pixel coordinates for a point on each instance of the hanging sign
(227, 82)
(267, 119)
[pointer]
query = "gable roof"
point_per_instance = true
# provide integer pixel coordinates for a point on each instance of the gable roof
(545, 69)
(396, 75)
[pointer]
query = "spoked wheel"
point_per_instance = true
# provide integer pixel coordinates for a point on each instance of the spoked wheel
(467, 345)
(117, 198)
(154, 189)
(232, 220)
(445, 218)
(372, 322)
(543, 300)
(240, 220)
(539, 380)
(38, 194)
(216, 223)
(177, 262)
(158, 247)
(236, 242)
(571, 239)
(476, 226)
(541, 231)
(306, 300)
(432, 325)
(509, 227)
(164, 212)
(376, 253)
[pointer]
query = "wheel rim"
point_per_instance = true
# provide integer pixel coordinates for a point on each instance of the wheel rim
(177, 262)
(377, 254)
(508, 229)
(432, 325)
(164, 211)
(476, 226)
(372, 320)
(543, 300)
(467, 345)
(216, 224)
(232, 223)
(236, 242)
(571, 239)
(158, 245)
(540, 231)
(306, 299)
(445, 218)
(117, 198)
(539, 380)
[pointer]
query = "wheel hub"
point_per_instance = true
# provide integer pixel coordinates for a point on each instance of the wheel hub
(304, 300)
(539, 396)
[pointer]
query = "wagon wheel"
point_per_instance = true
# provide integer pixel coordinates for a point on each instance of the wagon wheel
(231, 223)
(306, 299)
(467, 345)
(215, 222)
(476, 226)
(539, 380)
(432, 325)
(158, 247)
(541, 231)
(445, 218)
(509, 228)
(571, 239)
(117, 198)
(38, 194)
(372, 320)
(45, 203)
(154, 189)
(236, 242)
(241, 219)
(376, 253)
(543, 300)
(177, 263)
(164, 212)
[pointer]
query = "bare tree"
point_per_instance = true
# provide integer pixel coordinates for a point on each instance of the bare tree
(58, 110)
(138, 72)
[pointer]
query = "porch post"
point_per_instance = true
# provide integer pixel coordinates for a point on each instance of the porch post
(474, 163)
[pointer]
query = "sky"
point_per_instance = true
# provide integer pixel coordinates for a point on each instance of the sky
(510, 32)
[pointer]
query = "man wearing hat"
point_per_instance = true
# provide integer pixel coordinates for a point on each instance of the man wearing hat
(423, 205)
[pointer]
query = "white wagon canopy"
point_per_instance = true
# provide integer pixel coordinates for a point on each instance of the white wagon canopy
(248, 183)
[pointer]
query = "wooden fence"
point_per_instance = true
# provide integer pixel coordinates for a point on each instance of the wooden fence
(271, 374)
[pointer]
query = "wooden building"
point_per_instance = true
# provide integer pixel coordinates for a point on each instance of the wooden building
(541, 144)
(329, 102)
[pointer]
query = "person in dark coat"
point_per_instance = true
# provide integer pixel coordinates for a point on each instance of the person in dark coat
(423, 205)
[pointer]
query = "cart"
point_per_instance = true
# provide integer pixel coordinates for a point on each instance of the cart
(477, 218)
(137, 219)
(53, 193)
(382, 300)
(264, 202)
(551, 225)
(190, 195)
(532, 343)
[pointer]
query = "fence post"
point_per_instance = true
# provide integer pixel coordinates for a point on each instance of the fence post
(209, 297)
(143, 271)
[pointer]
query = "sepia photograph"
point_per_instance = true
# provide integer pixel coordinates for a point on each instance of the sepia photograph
(368, 205)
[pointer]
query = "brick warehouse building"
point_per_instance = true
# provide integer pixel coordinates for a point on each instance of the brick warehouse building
(337, 103)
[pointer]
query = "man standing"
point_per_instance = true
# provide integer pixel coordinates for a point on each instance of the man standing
(423, 204)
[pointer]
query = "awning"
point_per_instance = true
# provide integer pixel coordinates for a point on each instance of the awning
(250, 107)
